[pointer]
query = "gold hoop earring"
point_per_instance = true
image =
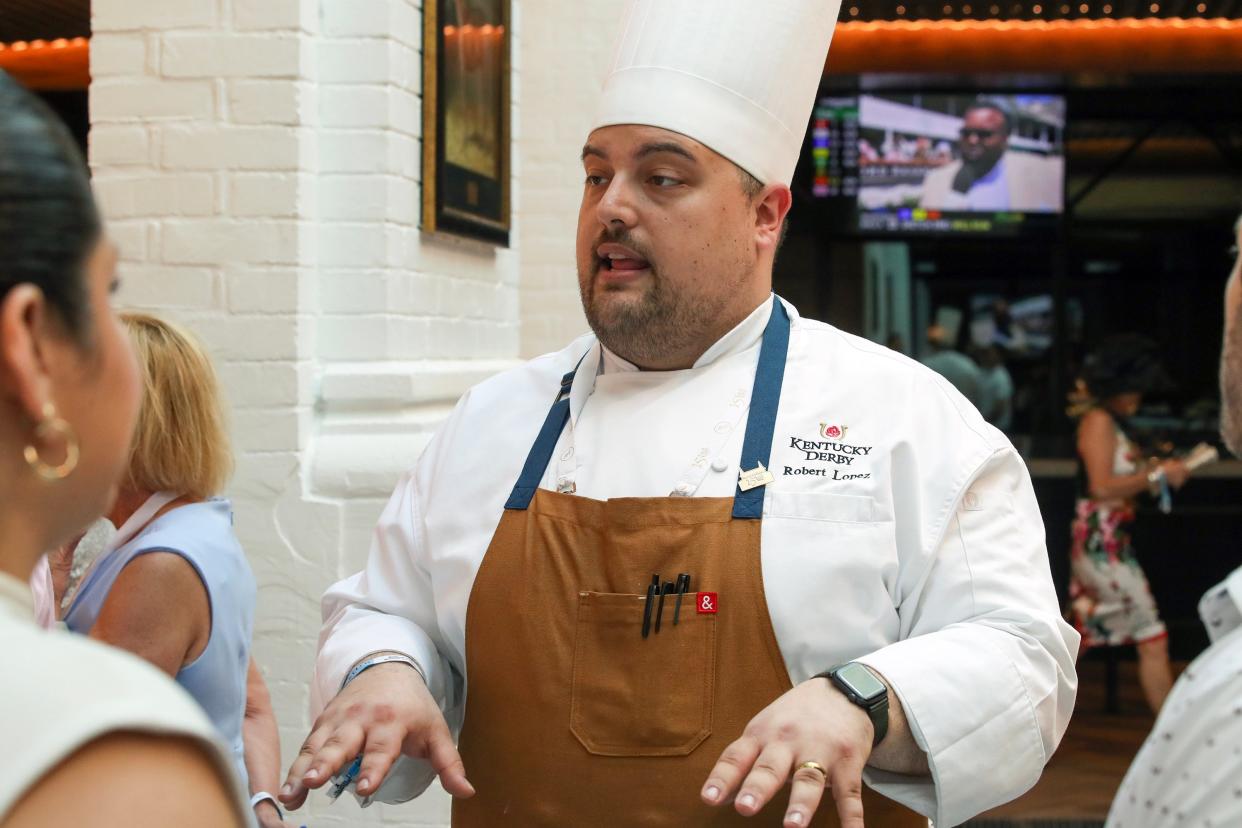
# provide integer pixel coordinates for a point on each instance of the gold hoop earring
(53, 426)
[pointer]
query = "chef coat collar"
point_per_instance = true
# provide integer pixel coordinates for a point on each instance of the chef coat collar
(745, 334)
(599, 360)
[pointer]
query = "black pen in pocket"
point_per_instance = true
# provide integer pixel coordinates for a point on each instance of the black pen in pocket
(667, 589)
(651, 593)
(683, 586)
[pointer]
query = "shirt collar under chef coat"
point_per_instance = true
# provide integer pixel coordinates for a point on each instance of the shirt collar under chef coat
(1221, 607)
(599, 360)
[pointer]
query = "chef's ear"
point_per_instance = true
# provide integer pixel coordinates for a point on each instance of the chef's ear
(771, 207)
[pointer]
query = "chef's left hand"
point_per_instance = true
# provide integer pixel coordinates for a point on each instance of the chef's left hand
(813, 722)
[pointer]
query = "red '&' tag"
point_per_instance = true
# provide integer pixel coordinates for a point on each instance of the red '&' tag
(706, 602)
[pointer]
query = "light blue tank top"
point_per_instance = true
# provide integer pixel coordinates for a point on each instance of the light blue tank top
(202, 534)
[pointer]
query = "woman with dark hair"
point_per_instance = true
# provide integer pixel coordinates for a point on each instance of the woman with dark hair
(1112, 602)
(133, 749)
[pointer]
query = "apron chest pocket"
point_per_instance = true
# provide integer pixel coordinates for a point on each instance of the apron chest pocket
(641, 697)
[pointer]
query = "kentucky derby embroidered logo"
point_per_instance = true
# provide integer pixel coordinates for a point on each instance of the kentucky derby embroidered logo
(832, 432)
(832, 451)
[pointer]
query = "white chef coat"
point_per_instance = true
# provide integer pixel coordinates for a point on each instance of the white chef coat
(1189, 771)
(901, 530)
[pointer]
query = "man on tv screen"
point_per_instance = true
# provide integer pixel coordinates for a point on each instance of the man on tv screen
(989, 176)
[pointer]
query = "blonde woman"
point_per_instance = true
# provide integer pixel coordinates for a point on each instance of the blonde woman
(91, 736)
(174, 586)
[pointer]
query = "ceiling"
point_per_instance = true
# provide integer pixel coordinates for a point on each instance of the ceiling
(48, 19)
(44, 19)
(31, 19)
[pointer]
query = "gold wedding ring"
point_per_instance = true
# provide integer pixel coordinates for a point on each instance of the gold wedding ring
(815, 766)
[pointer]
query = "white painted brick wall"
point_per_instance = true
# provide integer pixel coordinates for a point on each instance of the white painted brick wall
(231, 55)
(258, 161)
(114, 146)
(560, 87)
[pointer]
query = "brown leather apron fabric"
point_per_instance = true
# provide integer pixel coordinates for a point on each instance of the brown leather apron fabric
(572, 718)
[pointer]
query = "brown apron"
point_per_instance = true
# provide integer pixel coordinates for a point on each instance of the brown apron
(572, 717)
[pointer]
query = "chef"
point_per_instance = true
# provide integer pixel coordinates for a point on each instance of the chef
(713, 563)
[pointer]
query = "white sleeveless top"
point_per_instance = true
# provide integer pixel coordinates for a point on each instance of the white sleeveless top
(59, 692)
(1126, 455)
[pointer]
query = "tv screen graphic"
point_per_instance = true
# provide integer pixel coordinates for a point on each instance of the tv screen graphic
(1022, 327)
(951, 163)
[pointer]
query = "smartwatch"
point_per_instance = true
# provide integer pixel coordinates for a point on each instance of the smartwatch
(864, 688)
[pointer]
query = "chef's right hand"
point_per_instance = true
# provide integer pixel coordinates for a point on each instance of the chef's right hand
(383, 713)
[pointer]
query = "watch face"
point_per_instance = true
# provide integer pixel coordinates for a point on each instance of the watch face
(862, 681)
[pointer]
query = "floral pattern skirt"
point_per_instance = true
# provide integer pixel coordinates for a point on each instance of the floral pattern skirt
(1112, 602)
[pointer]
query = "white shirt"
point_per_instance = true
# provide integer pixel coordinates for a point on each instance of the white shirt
(989, 193)
(911, 542)
(60, 692)
(1189, 771)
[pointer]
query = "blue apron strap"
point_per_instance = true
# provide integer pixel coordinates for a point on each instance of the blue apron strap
(764, 400)
(541, 452)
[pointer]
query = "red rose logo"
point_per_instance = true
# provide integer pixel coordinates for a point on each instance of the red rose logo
(832, 431)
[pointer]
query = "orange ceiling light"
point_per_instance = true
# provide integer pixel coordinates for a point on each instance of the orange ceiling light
(963, 46)
(48, 65)
(971, 46)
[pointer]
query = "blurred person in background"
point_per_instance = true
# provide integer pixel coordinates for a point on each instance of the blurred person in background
(173, 585)
(1231, 354)
(93, 736)
(1111, 599)
(997, 387)
(1187, 771)
(959, 369)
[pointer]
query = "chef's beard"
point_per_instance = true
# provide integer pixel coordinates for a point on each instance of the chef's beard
(646, 329)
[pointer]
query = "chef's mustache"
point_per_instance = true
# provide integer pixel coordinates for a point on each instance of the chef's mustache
(624, 237)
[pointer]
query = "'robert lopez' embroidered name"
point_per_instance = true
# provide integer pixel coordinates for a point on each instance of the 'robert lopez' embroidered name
(842, 454)
(831, 474)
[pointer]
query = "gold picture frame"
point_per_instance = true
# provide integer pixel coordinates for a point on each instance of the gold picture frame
(466, 118)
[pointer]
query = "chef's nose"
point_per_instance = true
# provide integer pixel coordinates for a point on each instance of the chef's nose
(616, 206)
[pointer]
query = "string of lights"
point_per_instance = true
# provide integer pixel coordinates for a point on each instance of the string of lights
(1050, 43)
(58, 44)
(1033, 10)
(1129, 45)
(62, 63)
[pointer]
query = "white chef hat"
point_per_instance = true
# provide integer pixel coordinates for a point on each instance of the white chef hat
(739, 76)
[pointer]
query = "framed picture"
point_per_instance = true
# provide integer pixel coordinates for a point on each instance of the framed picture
(466, 118)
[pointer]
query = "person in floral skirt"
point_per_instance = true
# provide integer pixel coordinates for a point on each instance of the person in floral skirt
(1112, 602)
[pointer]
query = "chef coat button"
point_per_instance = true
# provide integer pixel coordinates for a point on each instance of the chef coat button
(567, 453)
(683, 489)
(722, 427)
(719, 466)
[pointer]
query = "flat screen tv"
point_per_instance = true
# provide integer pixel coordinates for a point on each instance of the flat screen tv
(914, 163)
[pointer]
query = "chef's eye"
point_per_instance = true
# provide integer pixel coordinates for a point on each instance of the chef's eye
(664, 181)
(595, 180)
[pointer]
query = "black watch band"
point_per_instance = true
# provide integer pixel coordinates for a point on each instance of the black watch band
(859, 683)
